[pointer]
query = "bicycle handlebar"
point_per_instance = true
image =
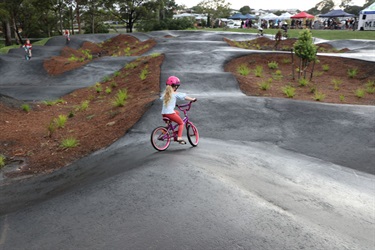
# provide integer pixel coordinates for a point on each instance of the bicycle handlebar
(188, 105)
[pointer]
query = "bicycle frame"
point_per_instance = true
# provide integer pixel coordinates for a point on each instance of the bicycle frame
(173, 127)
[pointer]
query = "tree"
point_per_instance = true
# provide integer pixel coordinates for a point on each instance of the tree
(245, 10)
(305, 50)
(128, 11)
(325, 6)
(214, 9)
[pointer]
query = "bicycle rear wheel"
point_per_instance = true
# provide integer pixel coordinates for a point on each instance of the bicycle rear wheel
(160, 138)
(192, 134)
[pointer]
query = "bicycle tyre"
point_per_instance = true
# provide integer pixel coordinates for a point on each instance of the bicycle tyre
(192, 134)
(160, 138)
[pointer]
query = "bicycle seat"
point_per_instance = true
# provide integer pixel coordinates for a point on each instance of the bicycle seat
(166, 119)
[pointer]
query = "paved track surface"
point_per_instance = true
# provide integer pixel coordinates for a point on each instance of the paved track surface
(267, 174)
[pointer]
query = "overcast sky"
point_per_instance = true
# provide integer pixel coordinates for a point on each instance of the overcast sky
(269, 4)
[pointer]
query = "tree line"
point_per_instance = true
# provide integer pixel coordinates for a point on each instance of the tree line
(20, 19)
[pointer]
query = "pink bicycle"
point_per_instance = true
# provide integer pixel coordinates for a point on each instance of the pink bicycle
(161, 136)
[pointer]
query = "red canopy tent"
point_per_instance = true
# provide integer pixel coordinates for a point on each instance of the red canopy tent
(302, 15)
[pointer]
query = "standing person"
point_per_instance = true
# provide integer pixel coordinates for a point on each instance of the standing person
(67, 36)
(169, 97)
(28, 46)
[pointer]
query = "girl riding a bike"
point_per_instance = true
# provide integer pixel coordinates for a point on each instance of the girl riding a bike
(169, 97)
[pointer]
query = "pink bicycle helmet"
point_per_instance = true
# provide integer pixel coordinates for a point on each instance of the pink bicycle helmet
(173, 80)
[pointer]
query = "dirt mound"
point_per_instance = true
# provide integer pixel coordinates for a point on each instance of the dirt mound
(265, 43)
(121, 45)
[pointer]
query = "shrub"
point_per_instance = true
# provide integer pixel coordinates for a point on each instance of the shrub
(273, 65)
(69, 142)
(289, 91)
(243, 70)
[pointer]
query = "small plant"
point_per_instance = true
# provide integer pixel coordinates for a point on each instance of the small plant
(120, 98)
(69, 142)
(51, 103)
(105, 79)
(360, 93)
(60, 121)
(113, 85)
(258, 71)
(73, 58)
(318, 73)
(2, 161)
(352, 73)
(325, 67)
(98, 87)
(319, 96)
(303, 82)
(370, 87)
(336, 84)
(71, 114)
(26, 108)
(116, 73)
(243, 70)
(144, 74)
(286, 60)
(131, 65)
(153, 55)
(342, 98)
(83, 106)
(289, 91)
(265, 85)
(273, 65)
(108, 90)
(51, 128)
(313, 89)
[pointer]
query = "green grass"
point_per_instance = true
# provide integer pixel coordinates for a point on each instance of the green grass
(323, 34)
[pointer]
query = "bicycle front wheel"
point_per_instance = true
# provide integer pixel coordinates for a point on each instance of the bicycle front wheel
(192, 134)
(160, 138)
